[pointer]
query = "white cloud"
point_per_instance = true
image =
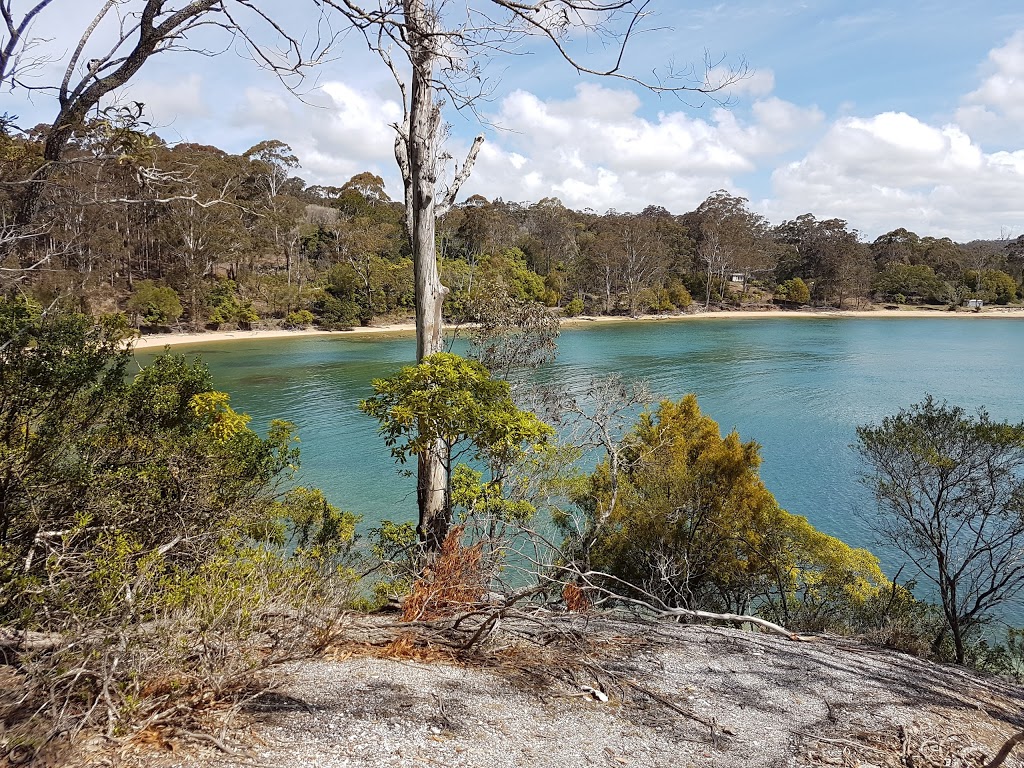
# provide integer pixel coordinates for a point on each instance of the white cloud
(342, 132)
(777, 126)
(604, 148)
(166, 103)
(268, 110)
(596, 151)
(892, 170)
(995, 110)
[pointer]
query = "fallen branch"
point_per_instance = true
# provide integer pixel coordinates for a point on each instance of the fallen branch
(1002, 754)
(841, 742)
(662, 610)
(24, 640)
(711, 725)
(736, 618)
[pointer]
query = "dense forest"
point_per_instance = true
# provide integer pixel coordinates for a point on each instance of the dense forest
(189, 235)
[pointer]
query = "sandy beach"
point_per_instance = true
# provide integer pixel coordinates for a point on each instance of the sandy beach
(158, 340)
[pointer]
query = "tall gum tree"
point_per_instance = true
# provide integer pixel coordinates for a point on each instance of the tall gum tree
(436, 51)
(115, 45)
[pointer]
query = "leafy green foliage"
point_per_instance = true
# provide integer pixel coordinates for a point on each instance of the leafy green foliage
(309, 527)
(395, 546)
(85, 452)
(678, 295)
(142, 533)
(154, 304)
(280, 240)
(226, 306)
(690, 522)
(454, 400)
(509, 272)
(793, 291)
(452, 408)
(369, 281)
(574, 308)
(486, 499)
(303, 318)
(914, 282)
(991, 285)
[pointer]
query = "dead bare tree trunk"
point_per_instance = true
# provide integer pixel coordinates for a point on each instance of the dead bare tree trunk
(421, 171)
(417, 152)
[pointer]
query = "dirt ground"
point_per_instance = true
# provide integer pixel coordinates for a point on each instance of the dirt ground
(634, 695)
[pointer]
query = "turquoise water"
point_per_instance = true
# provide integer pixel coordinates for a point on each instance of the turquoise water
(798, 386)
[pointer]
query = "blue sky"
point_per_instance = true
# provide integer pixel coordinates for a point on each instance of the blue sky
(886, 114)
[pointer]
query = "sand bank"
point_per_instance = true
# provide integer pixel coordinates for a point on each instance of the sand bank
(158, 340)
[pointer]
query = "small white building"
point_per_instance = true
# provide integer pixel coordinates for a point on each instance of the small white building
(974, 303)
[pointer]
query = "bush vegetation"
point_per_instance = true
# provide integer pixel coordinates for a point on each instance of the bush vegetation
(149, 562)
(688, 522)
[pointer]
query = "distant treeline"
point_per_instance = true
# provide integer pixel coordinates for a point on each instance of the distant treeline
(190, 234)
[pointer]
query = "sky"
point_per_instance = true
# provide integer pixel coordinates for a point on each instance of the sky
(906, 113)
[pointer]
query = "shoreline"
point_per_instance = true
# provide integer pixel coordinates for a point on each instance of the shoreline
(159, 340)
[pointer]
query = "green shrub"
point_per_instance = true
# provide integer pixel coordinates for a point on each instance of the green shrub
(793, 291)
(687, 521)
(335, 313)
(574, 308)
(301, 319)
(226, 306)
(396, 547)
(154, 305)
(144, 542)
(678, 295)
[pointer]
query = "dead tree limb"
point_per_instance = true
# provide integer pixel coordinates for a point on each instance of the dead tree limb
(591, 581)
(1002, 754)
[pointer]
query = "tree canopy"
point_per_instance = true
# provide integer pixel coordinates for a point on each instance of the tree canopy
(950, 493)
(693, 525)
(454, 402)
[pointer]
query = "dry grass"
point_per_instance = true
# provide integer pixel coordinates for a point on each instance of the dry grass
(455, 583)
(575, 599)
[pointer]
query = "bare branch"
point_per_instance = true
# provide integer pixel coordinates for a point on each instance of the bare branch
(1000, 758)
(460, 178)
(86, 36)
(11, 54)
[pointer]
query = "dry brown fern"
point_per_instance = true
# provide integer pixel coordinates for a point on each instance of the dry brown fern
(454, 583)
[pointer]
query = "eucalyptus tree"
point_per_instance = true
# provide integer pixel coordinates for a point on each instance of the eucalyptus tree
(200, 235)
(898, 246)
(826, 254)
(1014, 250)
(114, 46)
(552, 229)
(950, 492)
(643, 255)
(272, 162)
(729, 237)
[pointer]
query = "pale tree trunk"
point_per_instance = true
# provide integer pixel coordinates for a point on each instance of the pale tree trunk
(421, 190)
(417, 152)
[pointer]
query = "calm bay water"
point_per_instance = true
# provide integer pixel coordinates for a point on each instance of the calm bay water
(797, 386)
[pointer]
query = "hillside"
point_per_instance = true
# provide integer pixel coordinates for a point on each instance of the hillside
(677, 695)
